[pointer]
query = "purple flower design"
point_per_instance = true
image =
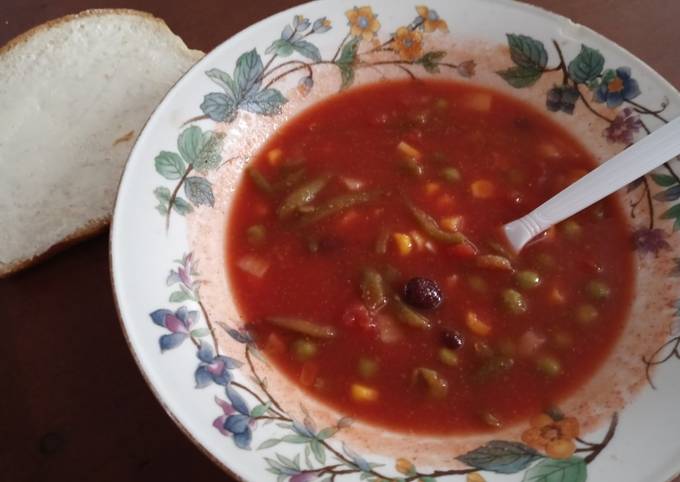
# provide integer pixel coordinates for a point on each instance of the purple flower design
(624, 127)
(184, 277)
(179, 323)
(236, 420)
(650, 240)
(213, 369)
(616, 86)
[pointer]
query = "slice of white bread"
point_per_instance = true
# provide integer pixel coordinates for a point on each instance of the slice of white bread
(74, 94)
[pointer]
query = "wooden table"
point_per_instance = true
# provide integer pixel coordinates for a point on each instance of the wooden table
(73, 405)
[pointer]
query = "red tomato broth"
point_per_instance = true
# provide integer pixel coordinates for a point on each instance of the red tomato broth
(354, 135)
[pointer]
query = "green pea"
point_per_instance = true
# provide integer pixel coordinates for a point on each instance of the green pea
(545, 261)
(367, 367)
(448, 357)
(450, 174)
(477, 283)
(411, 166)
(527, 279)
(598, 290)
(514, 302)
(304, 349)
(571, 229)
(549, 365)
(256, 234)
(586, 314)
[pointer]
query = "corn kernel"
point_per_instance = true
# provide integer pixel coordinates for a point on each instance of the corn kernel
(548, 149)
(432, 188)
(479, 101)
(476, 326)
(409, 151)
(274, 156)
(482, 189)
(451, 223)
(362, 393)
(403, 242)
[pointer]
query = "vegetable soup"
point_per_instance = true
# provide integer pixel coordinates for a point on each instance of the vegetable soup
(366, 258)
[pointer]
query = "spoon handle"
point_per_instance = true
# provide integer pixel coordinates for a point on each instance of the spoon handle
(635, 161)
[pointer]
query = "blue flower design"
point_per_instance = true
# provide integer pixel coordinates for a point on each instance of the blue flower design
(236, 420)
(213, 368)
(616, 86)
(179, 323)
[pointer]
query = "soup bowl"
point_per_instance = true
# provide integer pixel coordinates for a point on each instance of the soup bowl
(169, 243)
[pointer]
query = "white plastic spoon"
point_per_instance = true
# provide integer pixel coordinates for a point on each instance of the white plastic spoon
(649, 153)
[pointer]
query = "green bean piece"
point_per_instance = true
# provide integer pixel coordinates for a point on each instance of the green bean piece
(336, 205)
(448, 357)
(432, 229)
(291, 179)
(598, 290)
(409, 316)
(494, 367)
(373, 290)
(491, 420)
(527, 280)
(301, 326)
(302, 196)
(256, 234)
(514, 302)
(571, 229)
(477, 283)
(586, 314)
(381, 242)
(450, 174)
(494, 261)
(549, 365)
(437, 386)
(545, 261)
(260, 181)
(367, 367)
(304, 349)
(411, 166)
(391, 274)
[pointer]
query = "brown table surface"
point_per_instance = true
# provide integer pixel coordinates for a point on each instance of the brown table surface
(73, 405)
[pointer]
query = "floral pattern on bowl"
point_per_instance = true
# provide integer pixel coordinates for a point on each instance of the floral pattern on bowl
(184, 180)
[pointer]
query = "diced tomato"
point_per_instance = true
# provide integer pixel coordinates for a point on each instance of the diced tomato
(357, 315)
(464, 250)
(274, 345)
(309, 372)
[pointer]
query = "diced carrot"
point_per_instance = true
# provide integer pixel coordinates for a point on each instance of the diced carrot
(275, 345)
(348, 218)
(479, 101)
(408, 150)
(362, 393)
(309, 372)
(548, 149)
(463, 250)
(432, 188)
(253, 265)
(274, 156)
(557, 296)
(476, 325)
(261, 209)
(445, 201)
(451, 223)
(403, 242)
(482, 189)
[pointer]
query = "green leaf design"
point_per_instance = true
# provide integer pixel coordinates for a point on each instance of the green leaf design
(551, 470)
(268, 443)
(663, 180)
(319, 451)
(307, 49)
(281, 47)
(501, 456)
(327, 432)
(225, 81)
(219, 107)
(527, 52)
(430, 61)
(668, 195)
(587, 65)
(199, 191)
(520, 77)
(163, 194)
(672, 213)
(349, 52)
(267, 102)
(346, 75)
(247, 73)
(169, 165)
(179, 296)
(210, 155)
(260, 410)
(190, 143)
(181, 206)
(295, 439)
(200, 332)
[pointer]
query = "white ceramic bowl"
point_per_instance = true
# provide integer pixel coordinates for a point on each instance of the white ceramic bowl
(168, 242)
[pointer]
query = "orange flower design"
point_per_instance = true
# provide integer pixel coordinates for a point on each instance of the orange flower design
(363, 22)
(408, 43)
(405, 466)
(431, 20)
(555, 438)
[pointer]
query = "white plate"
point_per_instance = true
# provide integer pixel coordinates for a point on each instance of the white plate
(281, 65)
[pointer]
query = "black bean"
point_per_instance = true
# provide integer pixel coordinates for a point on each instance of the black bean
(422, 293)
(452, 339)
